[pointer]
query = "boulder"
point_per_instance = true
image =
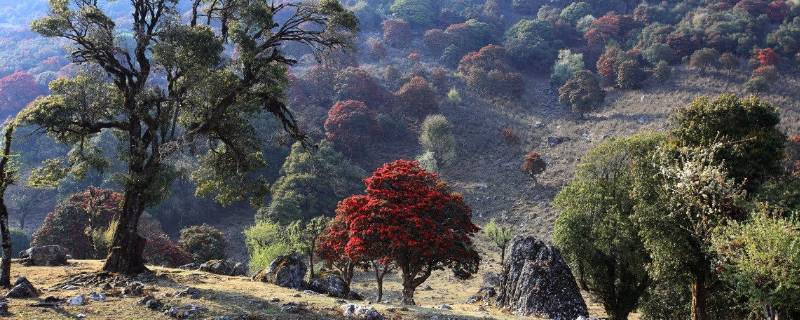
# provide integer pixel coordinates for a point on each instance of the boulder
(22, 289)
(52, 255)
(223, 267)
(332, 285)
(286, 271)
(354, 311)
(488, 289)
(537, 281)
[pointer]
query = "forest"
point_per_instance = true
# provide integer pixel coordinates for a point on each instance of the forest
(641, 157)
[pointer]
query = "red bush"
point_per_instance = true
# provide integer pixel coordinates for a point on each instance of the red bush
(533, 164)
(397, 33)
(436, 40)
(416, 99)
(608, 27)
(16, 91)
(510, 136)
(350, 125)
(766, 57)
(607, 64)
(410, 217)
(488, 72)
(160, 250)
(357, 84)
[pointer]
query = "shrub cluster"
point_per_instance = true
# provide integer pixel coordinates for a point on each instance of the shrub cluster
(203, 243)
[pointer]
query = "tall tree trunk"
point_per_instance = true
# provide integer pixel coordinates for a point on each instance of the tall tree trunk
(5, 264)
(502, 255)
(125, 255)
(311, 264)
(408, 294)
(380, 272)
(699, 295)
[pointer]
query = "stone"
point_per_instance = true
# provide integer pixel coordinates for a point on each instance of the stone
(354, 311)
(537, 281)
(151, 303)
(78, 300)
(184, 312)
(22, 289)
(97, 297)
(332, 285)
(80, 316)
(134, 288)
(445, 307)
(488, 289)
(190, 292)
(427, 288)
(189, 266)
(290, 307)
(285, 271)
(4, 309)
(52, 255)
(223, 267)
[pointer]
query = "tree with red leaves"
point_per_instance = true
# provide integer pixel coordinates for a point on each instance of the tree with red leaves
(416, 99)
(354, 83)
(608, 27)
(410, 218)
(488, 72)
(16, 91)
(533, 164)
(332, 243)
(350, 125)
(397, 33)
(607, 64)
(766, 57)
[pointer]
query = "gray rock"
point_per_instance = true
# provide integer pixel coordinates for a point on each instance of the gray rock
(189, 266)
(4, 309)
(22, 289)
(445, 307)
(286, 271)
(354, 311)
(134, 288)
(97, 296)
(332, 285)
(223, 267)
(536, 281)
(185, 312)
(291, 307)
(190, 292)
(52, 255)
(78, 300)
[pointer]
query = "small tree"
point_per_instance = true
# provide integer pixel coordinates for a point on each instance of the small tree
(304, 236)
(203, 242)
(533, 164)
(416, 99)
(704, 58)
(350, 125)
(582, 93)
(436, 136)
(630, 74)
(566, 67)
(331, 245)
(266, 240)
(411, 218)
(500, 235)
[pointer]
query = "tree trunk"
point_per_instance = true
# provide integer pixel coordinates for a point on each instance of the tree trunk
(125, 255)
(408, 294)
(5, 264)
(380, 272)
(699, 296)
(311, 264)
(502, 255)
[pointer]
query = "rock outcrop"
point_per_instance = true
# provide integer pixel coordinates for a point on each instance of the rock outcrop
(223, 267)
(52, 255)
(330, 284)
(22, 289)
(537, 281)
(287, 271)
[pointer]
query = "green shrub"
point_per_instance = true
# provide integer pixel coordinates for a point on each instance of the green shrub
(421, 13)
(530, 44)
(575, 11)
(453, 96)
(427, 160)
(756, 85)
(630, 75)
(704, 58)
(266, 241)
(203, 243)
(436, 136)
(662, 72)
(582, 93)
(19, 241)
(566, 67)
(659, 52)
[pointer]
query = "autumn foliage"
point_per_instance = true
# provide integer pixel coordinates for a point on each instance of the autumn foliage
(408, 217)
(488, 72)
(533, 164)
(416, 99)
(354, 83)
(766, 57)
(350, 125)
(16, 91)
(397, 33)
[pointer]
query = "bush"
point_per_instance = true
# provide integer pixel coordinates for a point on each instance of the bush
(487, 72)
(416, 99)
(607, 64)
(391, 127)
(704, 58)
(575, 11)
(418, 12)
(533, 164)
(662, 71)
(566, 67)
(466, 37)
(785, 38)
(756, 85)
(530, 44)
(436, 40)
(582, 93)
(356, 84)
(436, 136)
(766, 57)
(160, 250)
(350, 125)
(19, 241)
(427, 160)
(659, 52)
(397, 33)
(510, 136)
(266, 241)
(630, 75)
(729, 61)
(203, 243)
(453, 96)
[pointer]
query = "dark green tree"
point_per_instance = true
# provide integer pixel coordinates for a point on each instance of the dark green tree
(8, 174)
(596, 230)
(582, 93)
(752, 146)
(312, 182)
(172, 86)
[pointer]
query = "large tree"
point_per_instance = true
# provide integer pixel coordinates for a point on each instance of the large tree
(177, 84)
(596, 230)
(7, 177)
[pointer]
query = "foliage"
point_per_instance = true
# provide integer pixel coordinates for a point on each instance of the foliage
(533, 164)
(303, 235)
(752, 145)
(566, 67)
(203, 243)
(436, 137)
(704, 58)
(19, 241)
(357, 84)
(350, 125)
(662, 72)
(607, 63)
(416, 99)
(411, 218)
(499, 235)
(729, 61)
(436, 40)
(785, 38)
(766, 57)
(453, 96)
(266, 240)
(162, 251)
(418, 12)
(596, 230)
(466, 37)
(397, 33)
(610, 27)
(659, 52)
(768, 72)
(488, 72)
(782, 195)
(575, 11)
(756, 85)
(332, 245)
(312, 182)
(427, 160)
(630, 74)
(761, 259)
(530, 44)
(582, 93)
(16, 91)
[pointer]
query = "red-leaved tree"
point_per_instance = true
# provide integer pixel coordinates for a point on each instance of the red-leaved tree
(410, 218)
(416, 99)
(766, 57)
(333, 241)
(350, 125)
